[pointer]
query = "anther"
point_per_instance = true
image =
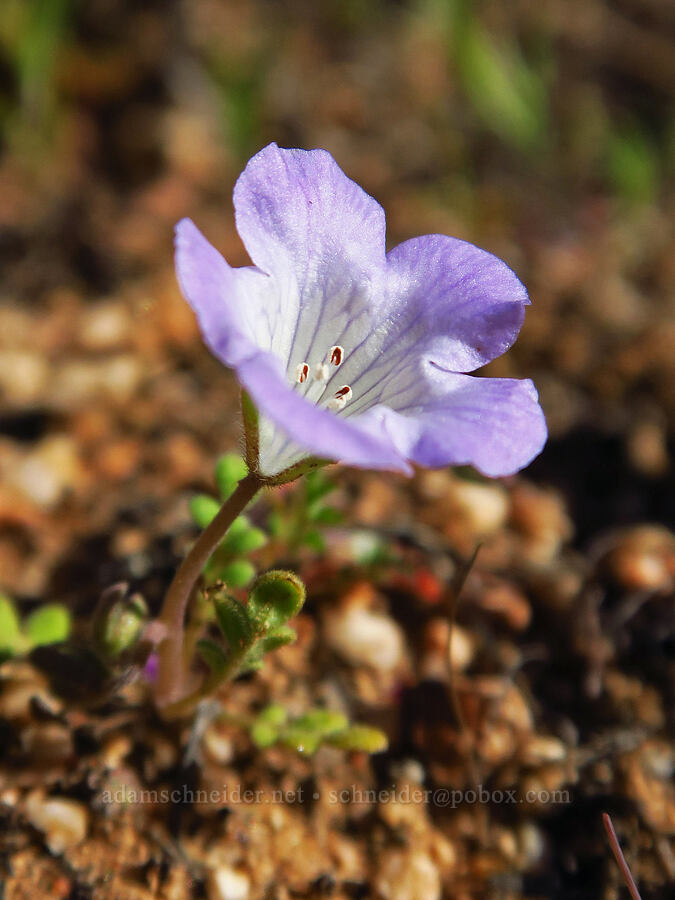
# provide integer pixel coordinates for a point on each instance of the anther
(302, 373)
(340, 399)
(337, 354)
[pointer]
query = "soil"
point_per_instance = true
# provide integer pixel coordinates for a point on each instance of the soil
(112, 415)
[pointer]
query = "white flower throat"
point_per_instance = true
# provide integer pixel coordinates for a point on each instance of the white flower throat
(315, 379)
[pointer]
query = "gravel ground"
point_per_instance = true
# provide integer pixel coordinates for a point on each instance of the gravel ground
(112, 414)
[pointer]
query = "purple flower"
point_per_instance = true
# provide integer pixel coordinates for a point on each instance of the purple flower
(352, 353)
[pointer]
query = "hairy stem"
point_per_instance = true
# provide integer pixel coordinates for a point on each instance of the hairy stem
(171, 665)
(187, 703)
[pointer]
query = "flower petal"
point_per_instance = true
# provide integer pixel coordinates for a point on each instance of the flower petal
(493, 424)
(410, 324)
(463, 302)
(446, 301)
(320, 236)
(310, 429)
(235, 307)
(299, 206)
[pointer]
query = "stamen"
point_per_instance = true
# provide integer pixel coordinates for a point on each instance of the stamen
(301, 373)
(340, 399)
(321, 372)
(337, 354)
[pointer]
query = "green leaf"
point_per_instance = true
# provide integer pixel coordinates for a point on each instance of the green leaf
(301, 739)
(326, 515)
(274, 713)
(253, 660)
(323, 722)
(229, 471)
(276, 597)
(266, 726)
(508, 95)
(237, 573)
(234, 621)
(240, 526)
(359, 737)
(50, 624)
(263, 734)
(317, 486)
(243, 539)
(276, 524)
(203, 509)
(213, 655)
(633, 167)
(279, 638)
(314, 540)
(10, 629)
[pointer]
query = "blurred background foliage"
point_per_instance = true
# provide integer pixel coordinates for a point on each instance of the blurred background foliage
(581, 90)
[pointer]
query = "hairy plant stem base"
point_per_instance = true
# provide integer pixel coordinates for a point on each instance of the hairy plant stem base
(170, 691)
(171, 675)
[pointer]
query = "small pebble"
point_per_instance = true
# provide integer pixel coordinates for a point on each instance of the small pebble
(483, 507)
(9, 797)
(409, 770)
(407, 875)
(63, 822)
(366, 637)
(515, 709)
(218, 745)
(507, 844)
(103, 326)
(16, 698)
(506, 602)
(647, 446)
(45, 474)
(162, 756)
(48, 742)
(348, 856)
(23, 376)
(540, 749)
(497, 744)
(541, 784)
(433, 663)
(225, 883)
(115, 750)
(541, 518)
(80, 381)
(654, 794)
(442, 851)
(658, 758)
(643, 558)
(531, 845)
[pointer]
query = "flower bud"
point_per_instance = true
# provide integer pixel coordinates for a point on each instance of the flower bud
(275, 598)
(119, 621)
